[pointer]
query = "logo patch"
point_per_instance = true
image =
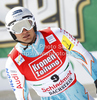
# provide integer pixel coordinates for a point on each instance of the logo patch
(17, 11)
(67, 43)
(19, 60)
(50, 38)
(45, 65)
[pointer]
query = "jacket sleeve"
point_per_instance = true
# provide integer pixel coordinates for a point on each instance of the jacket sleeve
(17, 81)
(75, 49)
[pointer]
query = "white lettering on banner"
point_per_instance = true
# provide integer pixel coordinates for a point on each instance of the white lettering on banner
(45, 64)
(63, 84)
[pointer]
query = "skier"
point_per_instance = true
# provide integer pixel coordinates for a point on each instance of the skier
(40, 58)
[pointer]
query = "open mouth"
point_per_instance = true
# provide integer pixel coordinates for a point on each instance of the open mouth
(26, 36)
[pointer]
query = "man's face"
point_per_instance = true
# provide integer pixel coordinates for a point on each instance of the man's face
(27, 36)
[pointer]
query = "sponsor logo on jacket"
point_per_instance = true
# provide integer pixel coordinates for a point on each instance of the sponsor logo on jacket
(60, 86)
(10, 79)
(45, 65)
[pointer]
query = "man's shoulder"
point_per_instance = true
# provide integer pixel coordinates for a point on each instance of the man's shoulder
(57, 31)
(12, 49)
(9, 63)
(50, 28)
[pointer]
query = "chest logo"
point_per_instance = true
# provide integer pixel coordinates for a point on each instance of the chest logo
(45, 65)
(50, 38)
(67, 43)
(19, 60)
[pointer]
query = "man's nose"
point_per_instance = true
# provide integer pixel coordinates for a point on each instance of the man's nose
(24, 30)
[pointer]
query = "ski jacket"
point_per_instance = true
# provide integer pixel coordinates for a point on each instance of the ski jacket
(45, 65)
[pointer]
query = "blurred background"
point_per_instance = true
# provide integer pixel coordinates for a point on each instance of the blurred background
(78, 17)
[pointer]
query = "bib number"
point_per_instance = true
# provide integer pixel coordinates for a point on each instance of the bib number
(55, 78)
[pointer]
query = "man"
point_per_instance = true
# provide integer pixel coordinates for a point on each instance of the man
(40, 59)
